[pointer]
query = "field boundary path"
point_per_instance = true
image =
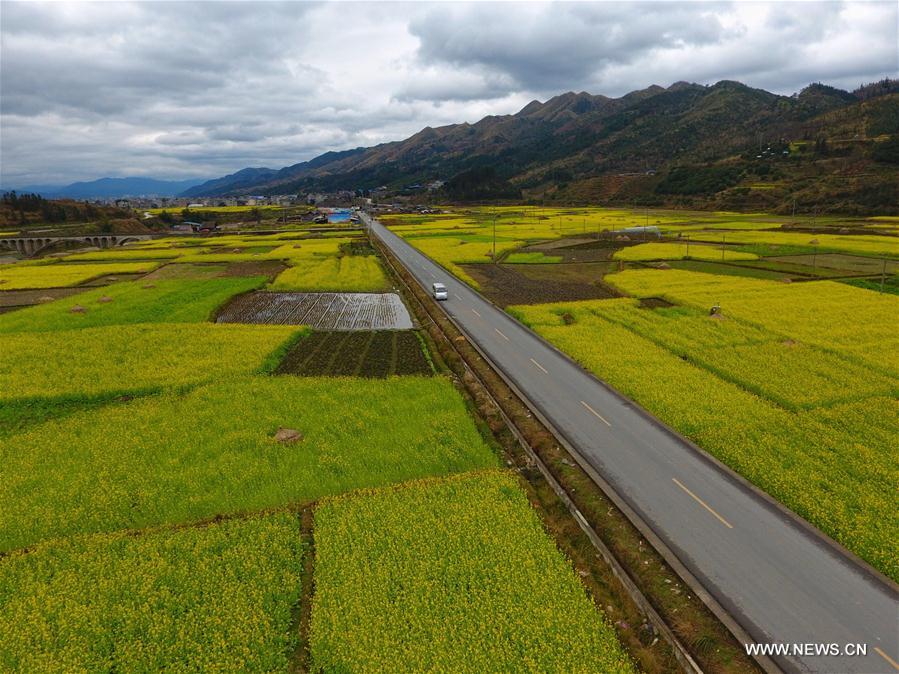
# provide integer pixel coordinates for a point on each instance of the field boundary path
(769, 576)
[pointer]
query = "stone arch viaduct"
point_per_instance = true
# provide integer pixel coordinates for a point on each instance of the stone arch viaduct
(32, 245)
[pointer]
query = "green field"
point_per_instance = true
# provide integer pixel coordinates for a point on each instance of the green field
(206, 598)
(164, 301)
(120, 359)
(178, 458)
(793, 385)
(454, 575)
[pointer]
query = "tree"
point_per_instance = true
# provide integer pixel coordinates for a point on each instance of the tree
(887, 151)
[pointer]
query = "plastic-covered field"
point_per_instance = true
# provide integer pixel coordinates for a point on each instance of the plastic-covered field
(322, 311)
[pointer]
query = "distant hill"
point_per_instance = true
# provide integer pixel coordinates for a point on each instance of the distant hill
(246, 180)
(721, 146)
(234, 183)
(113, 188)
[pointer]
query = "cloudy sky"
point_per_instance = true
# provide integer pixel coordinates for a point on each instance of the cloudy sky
(200, 89)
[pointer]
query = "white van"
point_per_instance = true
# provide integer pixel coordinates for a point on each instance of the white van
(439, 291)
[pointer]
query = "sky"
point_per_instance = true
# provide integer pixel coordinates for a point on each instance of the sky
(178, 90)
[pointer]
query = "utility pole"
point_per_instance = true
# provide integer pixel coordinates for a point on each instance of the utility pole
(688, 246)
(883, 274)
(723, 237)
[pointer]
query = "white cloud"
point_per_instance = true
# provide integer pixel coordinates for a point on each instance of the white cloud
(182, 89)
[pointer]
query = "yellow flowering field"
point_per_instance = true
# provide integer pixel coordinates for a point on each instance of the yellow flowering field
(180, 457)
(22, 276)
(221, 249)
(119, 359)
(208, 598)
(678, 328)
(859, 244)
(517, 225)
(534, 223)
(354, 273)
(815, 430)
(855, 322)
(452, 252)
(453, 575)
(796, 375)
(164, 301)
(790, 373)
(125, 253)
(679, 251)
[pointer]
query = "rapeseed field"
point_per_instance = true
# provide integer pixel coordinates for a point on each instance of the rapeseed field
(452, 575)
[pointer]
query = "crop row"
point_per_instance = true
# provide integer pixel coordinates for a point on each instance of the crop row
(358, 353)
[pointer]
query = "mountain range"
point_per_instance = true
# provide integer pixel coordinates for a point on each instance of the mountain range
(113, 188)
(724, 145)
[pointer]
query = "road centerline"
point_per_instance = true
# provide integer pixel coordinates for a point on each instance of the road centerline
(703, 503)
(596, 414)
(475, 312)
(499, 332)
(542, 369)
(887, 658)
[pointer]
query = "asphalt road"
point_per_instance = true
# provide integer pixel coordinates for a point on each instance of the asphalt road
(781, 583)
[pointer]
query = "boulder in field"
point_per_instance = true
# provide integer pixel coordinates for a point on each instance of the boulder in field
(287, 436)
